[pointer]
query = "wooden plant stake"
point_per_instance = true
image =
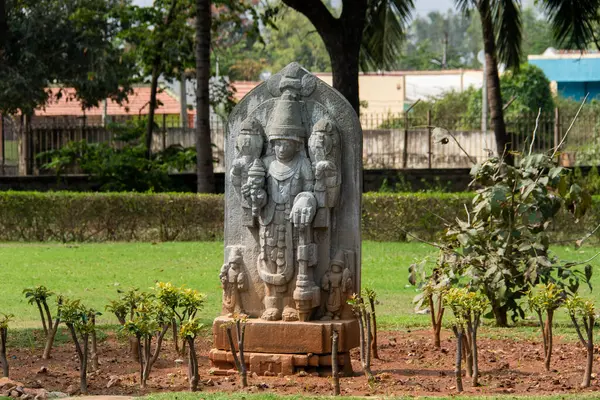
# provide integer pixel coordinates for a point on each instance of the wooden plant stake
(335, 363)
(239, 360)
(4, 320)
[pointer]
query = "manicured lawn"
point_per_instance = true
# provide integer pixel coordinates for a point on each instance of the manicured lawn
(94, 273)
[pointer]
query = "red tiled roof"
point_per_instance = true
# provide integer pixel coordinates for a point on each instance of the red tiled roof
(137, 103)
(243, 87)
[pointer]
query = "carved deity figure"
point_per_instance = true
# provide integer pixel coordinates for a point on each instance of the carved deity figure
(337, 283)
(233, 281)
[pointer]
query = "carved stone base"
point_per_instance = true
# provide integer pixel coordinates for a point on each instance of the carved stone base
(277, 347)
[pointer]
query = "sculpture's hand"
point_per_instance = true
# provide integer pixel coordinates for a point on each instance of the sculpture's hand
(302, 216)
(246, 190)
(304, 210)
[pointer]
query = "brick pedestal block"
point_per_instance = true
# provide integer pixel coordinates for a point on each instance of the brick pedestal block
(274, 347)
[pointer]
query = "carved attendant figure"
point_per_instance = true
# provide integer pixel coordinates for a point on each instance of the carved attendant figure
(337, 282)
(233, 281)
(253, 190)
(249, 146)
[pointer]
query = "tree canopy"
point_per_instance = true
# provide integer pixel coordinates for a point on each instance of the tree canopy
(71, 42)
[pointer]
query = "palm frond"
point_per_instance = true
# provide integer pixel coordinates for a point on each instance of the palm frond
(506, 17)
(464, 6)
(572, 20)
(384, 33)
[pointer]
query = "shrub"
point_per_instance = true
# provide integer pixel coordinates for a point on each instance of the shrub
(80, 217)
(99, 217)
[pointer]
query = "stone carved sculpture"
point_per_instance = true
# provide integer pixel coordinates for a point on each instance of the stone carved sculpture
(286, 178)
(293, 161)
(233, 282)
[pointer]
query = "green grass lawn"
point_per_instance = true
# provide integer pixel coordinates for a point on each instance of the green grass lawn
(94, 273)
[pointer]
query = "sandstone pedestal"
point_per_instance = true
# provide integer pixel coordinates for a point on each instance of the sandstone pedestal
(277, 347)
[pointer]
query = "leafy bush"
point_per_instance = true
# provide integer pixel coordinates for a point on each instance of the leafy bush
(121, 165)
(99, 217)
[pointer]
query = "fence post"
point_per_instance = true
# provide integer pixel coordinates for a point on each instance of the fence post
(405, 151)
(557, 137)
(429, 147)
(164, 132)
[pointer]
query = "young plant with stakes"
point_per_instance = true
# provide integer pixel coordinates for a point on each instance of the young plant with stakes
(184, 304)
(4, 321)
(372, 297)
(151, 319)
(433, 286)
(364, 327)
(239, 322)
(545, 300)
(124, 309)
(81, 323)
(468, 307)
(189, 330)
(39, 295)
(582, 313)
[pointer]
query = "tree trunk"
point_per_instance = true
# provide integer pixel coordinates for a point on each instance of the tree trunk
(50, 341)
(155, 75)
(24, 145)
(175, 336)
(241, 333)
(548, 334)
(3, 29)
(39, 305)
(374, 350)
(474, 356)
(587, 377)
(152, 106)
(367, 361)
(344, 66)
(467, 355)
(193, 365)
(335, 366)
(458, 362)
(501, 315)
(83, 386)
(204, 160)
(492, 80)
(342, 37)
(134, 348)
(94, 351)
(141, 361)
(3, 359)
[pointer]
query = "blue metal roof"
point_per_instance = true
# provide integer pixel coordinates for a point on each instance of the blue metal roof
(570, 69)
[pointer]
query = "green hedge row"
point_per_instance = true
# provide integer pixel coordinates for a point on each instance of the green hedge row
(80, 217)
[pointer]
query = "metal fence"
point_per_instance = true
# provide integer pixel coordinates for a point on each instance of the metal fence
(394, 141)
(401, 141)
